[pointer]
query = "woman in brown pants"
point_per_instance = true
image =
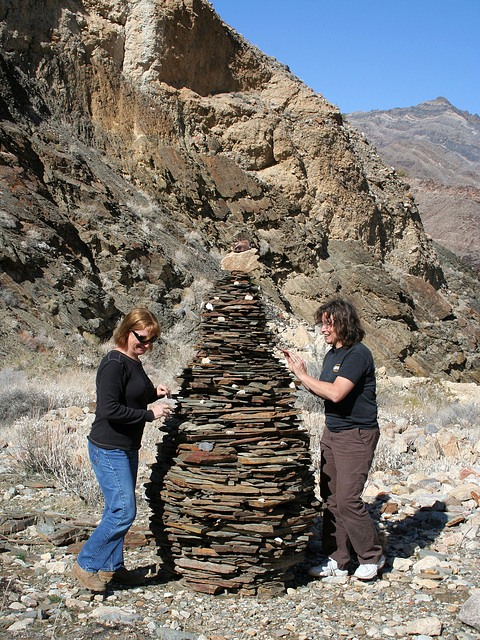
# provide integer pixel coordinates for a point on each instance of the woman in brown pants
(347, 385)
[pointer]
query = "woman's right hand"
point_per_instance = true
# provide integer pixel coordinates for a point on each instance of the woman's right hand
(161, 410)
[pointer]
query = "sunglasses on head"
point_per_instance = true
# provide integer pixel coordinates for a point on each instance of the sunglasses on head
(144, 339)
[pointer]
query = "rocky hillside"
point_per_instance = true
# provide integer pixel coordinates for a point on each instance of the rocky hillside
(437, 148)
(139, 140)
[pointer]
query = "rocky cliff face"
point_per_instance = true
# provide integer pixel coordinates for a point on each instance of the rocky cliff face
(140, 139)
(436, 147)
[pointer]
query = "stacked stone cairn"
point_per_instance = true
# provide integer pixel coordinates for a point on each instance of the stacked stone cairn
(231, 490)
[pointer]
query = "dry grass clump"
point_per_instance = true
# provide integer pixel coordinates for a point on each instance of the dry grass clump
(461, 415)
(16, 403)
(51, 447)
(49, 435)
(17, 400)
(415, 399)
(387, 458)
(176, 346)
(34, 423)
(428, 404)
(22, 396)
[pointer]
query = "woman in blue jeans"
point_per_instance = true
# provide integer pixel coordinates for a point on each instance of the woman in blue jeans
(347, 385)
(123, 393)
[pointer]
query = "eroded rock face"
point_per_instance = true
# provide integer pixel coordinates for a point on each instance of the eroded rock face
(156, 135)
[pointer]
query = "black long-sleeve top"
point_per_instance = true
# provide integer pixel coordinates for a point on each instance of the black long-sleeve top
(123, 393)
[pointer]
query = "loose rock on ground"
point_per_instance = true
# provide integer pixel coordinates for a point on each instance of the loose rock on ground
(429, 522)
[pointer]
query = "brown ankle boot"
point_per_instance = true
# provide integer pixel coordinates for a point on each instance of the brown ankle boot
(106, 576)
(123, 576)
(87, 579)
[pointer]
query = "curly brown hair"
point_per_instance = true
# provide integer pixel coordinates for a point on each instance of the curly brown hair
(134, 320)
(345, 320)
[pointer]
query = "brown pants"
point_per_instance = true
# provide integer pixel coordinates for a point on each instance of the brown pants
(346, 460)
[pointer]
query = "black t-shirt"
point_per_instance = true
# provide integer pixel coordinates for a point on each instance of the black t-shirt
(359, 408)
(123, 393)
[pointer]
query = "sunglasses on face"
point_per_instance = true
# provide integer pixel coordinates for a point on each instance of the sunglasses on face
(144, 339)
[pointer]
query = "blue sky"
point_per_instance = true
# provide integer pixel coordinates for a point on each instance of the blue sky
(370, 54)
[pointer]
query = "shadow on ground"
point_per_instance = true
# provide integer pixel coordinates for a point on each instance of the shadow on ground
(399, 538)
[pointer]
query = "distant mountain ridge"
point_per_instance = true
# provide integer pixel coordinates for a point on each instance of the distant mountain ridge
(437, 148)
(431, 141)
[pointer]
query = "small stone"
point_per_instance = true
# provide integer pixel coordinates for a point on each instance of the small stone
(73, 603)
(402, 564)
(425, 583)
(470, 611)
(20, 625)
(56, 567)
(431, 626)
(427, 563)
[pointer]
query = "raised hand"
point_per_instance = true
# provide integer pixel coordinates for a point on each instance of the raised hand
(163, 391)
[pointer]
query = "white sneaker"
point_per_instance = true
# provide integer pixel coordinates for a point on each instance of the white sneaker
(369, 571)
(329, 567)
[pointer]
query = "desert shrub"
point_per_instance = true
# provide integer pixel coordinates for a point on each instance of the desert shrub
(17, 399)
(53, 449)
(194, 239)
(17, 403)
(8, 297)
(177, 344)
(50, 447)
(427, 403)
(386, 458)
(23, 396)
(460, 414)
(419, 402)
(177, 349)
(416, 402)
(72, 389)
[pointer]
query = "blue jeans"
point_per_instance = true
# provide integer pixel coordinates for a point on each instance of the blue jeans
(116, 472)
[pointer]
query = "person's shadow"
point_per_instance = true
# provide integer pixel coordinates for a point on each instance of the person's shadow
(399, 537)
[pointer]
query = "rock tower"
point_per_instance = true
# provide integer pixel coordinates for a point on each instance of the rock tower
(231, 489)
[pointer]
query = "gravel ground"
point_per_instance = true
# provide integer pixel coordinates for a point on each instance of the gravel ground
(432, 570)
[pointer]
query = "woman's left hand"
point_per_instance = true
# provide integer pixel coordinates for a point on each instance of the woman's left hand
(295, 363)
(163, 391)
